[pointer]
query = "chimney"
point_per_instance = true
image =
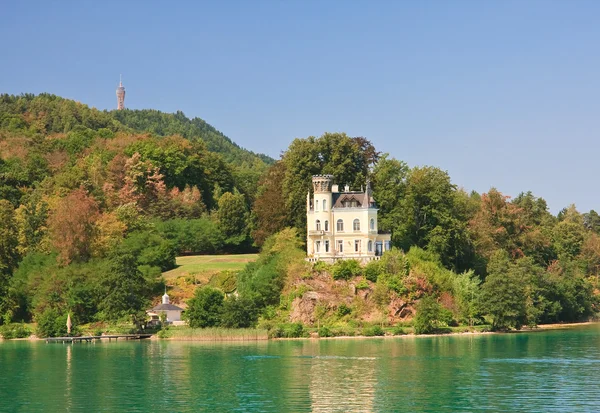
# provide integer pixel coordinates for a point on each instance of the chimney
(335, 188)
(347, 188)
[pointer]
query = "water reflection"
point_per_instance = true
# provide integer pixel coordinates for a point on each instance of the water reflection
(541, 372)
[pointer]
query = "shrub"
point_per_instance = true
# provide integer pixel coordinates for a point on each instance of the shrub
(343, 310)
(325, 332)
(10, 331)
(346, 269)
(294, 330)
(362, 285)
(373, 331)
(398, 331)
(205, 308)
(238, 312)
(51, 323)
(321, 267)
(428, 316)
(372, 271)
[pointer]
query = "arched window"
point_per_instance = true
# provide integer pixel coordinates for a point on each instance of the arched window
(370, 246)
(318, 225)
(316, 204)
(324, 205)
(326, 226)
(356, 225)
(340, 225)
(317, 246)
(372, 224)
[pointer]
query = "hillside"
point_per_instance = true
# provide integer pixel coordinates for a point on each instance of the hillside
(48, 114)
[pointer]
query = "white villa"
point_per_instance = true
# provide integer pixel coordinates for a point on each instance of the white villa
(342, 224)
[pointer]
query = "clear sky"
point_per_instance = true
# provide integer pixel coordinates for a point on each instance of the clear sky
(498, 93)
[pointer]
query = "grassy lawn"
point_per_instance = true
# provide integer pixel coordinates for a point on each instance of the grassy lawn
(204, 266)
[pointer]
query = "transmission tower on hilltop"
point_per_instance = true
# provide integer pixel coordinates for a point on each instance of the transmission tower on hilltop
(120, 95)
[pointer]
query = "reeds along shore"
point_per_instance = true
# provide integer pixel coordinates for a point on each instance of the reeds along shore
(214, 334)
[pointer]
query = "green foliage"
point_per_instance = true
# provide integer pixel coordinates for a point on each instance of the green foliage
(343, 310)
(373, 331)
(325, 332)
(346, 269)
(466, 291)
(205, 309)
(292, 330)
(15, 330)
(362, 285)
(225, 281)
(503, 294)
(124, 290)
(51, 323)
(192, 236)
(238, 312)
(427, 320)
(372, 270)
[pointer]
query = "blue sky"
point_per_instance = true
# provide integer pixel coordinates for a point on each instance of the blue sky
(498, 93)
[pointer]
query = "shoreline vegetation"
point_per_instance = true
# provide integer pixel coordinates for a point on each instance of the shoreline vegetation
(251, 334)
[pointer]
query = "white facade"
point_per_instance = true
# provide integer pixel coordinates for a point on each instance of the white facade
(342, 224)
(172, 312)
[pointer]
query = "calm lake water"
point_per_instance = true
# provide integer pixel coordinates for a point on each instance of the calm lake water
(551, 371)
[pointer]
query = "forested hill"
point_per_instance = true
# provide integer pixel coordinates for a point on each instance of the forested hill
(46, 113)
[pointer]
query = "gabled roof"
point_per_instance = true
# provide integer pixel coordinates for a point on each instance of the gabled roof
(167, 307)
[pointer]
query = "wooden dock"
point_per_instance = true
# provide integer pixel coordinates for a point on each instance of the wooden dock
(89, 339)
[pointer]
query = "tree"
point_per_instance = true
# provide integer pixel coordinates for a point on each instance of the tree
(431, 218)
(503, 294)
(232, 216)
(269, 213)
(389, 187)
(124, 290)
(205, 308)
(428, 314)
(238, 312)
(8, 251)
(72, 226)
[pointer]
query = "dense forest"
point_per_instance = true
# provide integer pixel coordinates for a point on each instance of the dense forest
(95, 205)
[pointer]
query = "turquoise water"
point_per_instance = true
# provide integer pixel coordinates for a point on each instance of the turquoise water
(552, 371)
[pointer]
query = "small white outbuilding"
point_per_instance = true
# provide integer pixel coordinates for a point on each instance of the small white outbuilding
(172, 312)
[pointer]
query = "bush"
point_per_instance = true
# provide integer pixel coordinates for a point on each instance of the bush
(346, 269)
(362, 285)
(343, 310)
(51, 323)
(373, 331)
(398, 331)
(321, 267)
(325, 332)
(10, 331)
(428, 316)
(293, 330)
(238, 313)
(372, 271)
(205, 308)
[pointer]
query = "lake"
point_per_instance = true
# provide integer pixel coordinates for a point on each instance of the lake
(549, 371)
